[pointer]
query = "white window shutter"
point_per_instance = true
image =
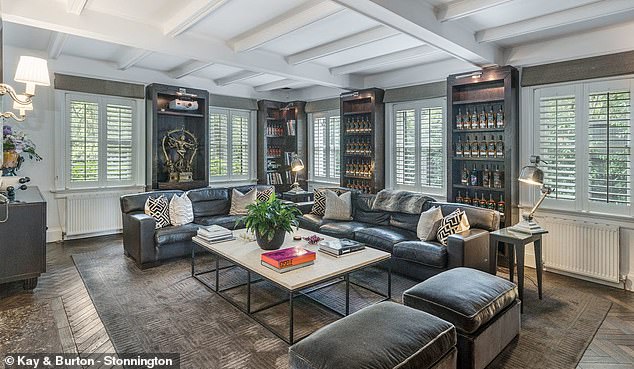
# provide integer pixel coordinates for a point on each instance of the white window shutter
(83, 128)
(405, 135)
(240, 143)
(334, 139)
(119, 148)
(432, 156)
(218, 143)
(319, 147)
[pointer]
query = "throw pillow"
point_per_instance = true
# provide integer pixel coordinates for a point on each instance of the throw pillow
(181, 210)
(319, 200)
(453, 223)
(240, 201)
(338, 207)
(158, 208)
(265, 195)
(428, 224)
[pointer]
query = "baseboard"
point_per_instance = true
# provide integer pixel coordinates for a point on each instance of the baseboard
(54, 234)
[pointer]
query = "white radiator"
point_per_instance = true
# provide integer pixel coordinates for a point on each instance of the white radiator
(93, 213)
(584, 248)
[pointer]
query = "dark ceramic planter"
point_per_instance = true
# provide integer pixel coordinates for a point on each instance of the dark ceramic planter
(274, 243)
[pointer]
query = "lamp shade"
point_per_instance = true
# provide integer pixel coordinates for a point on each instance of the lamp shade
(32, 71)
(297, 164)
(532, 175)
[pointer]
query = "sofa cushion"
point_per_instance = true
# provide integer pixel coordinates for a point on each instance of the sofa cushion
(404, 220)
(396, 201)
(342, 229)
(383, 237)
(386, 335)
(466, 297)
(171, 234)
(227, 221)
(423, 252)
(312, 222)
(209, 201)
(362, 210)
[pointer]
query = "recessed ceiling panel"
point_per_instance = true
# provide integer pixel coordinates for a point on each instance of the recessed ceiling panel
(147, 11)
(161, 62)
(260, 80)
(216, 71)
(377, 48)
(92, 49)
(422, 60)
(25, 36)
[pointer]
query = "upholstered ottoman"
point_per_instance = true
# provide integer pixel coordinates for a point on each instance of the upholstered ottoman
(484, 308)
(381, 336)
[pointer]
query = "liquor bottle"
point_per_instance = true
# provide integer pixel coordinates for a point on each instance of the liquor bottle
(474, 119)
(459, 198)
(498, 177)
(464, 179)
(459, 120)
(466, 120)
(466, 148)
(501, 204)
(499, 118)
(499, 148)
(475, 149)
(483, 201)
(491, 203)
(459, 148)
(482, 119)
(491, 151)
(491, 118)
(466, 200)
(474, 178)
(483, 147)
(486, 176)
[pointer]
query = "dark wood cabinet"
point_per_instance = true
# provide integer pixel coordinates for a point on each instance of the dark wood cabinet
(23, 238)
(362, 140)
(161, 119)
(483, 139)
(282, 132)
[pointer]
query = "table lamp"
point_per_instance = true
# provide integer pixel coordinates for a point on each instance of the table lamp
(296, 166)
(532, 175)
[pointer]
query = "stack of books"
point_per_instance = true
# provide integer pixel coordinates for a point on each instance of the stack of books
(215, 233)
(285, 260)
(340, 247)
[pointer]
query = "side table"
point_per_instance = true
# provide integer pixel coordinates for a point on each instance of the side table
(298, 196)
(517, 242)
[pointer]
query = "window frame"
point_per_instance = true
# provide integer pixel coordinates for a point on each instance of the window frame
(327, 179)
(250, 115)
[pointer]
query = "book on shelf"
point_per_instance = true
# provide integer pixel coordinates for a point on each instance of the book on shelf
(340, 247)
(290, 127)
(285, 258)
(274, 178)
(288, 157)
(287, 269)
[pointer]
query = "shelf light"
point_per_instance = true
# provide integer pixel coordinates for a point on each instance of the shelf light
(474, 75)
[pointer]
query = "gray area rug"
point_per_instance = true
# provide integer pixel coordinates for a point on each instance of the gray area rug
(163, 309)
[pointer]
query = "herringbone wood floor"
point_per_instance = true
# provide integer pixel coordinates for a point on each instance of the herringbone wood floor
(81, 331)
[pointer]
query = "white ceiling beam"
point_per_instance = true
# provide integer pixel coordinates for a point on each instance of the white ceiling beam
(419, 74)
(56, 44)
(52, 15)
(187, 69)
(131, 57)
(188, 16)
(387, 59)
(236, 77)
(554, 20)
(286, 23)
(417, 19)
(464, 8)
(345, 43)
(76, 6)
(276, 85)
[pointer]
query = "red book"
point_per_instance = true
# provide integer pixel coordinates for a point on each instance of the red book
(288, 257)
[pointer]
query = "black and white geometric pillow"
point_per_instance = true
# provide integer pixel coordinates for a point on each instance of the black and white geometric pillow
(158, 208)
(319, 205)
(265, 195)
(453, 223)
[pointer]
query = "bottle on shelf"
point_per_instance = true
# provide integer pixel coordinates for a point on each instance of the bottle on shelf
(486, 176)
(499, 118)
(459, 148)
(482, 119)
(498, 177)
(491, 118)
(467, 199)
(501, 205)
(474, 119)
(482, 152)
(459, 119)
(475, 148)
(491, 203)
(491, 148)
(466, 148)
(474, 177)
(466, 119)
(459, 198)
(464, 179)
(499, 147)
(483, 201)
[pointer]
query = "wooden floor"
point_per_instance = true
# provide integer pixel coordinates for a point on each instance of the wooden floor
(81, 331)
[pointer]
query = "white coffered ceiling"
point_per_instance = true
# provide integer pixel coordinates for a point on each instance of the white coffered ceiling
(269, 45)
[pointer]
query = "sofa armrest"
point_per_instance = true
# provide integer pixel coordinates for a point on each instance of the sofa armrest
(469, 249)
(138, 237)
(305, 207)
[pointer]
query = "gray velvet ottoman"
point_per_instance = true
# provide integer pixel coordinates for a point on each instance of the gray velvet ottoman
(484, 308)
(381, 336)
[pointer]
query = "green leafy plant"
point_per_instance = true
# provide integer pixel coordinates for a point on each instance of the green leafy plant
(267, 217)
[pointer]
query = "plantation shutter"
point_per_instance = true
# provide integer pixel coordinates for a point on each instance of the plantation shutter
(609, 147)
(405, 132)
(557, 124)
(335, 147)
(319, 146)
(84, 140)
(119, 151)
(240, 143)
(218, 143)
(432, 163)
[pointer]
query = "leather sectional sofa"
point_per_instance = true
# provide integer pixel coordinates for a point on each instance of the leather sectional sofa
(395, 232)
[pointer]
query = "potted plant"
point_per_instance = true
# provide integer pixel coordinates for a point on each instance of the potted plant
(270, 221)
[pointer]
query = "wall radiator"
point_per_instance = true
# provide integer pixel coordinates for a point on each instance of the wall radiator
(92, 213)
(580, 247)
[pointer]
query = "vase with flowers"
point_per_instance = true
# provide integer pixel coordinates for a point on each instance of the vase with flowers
(15, 147)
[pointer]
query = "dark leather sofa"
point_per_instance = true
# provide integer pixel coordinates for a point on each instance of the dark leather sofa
(148, 246)
(395, 232)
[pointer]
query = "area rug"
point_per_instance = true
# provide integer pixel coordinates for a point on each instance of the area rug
(164, 309)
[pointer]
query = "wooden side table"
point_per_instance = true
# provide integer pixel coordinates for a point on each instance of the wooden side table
(517, 242)
(298, 196)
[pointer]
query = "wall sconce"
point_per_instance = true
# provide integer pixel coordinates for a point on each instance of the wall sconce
(32, 71)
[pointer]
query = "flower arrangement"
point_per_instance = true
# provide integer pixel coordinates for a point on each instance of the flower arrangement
(18, 142)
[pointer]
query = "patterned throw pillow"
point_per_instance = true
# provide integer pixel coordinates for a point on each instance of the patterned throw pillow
(265, 195)
(239, 201)
(319, 205)
(453, 223)
(158, 208)
(181, 210)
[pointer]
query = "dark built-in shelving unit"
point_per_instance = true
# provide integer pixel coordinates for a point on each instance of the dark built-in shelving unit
(362, 144)
(492, 91)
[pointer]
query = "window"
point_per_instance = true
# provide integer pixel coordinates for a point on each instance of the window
(584, 135)
(419, 146)
(229, 144)
(100, 141)
(326, 148)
